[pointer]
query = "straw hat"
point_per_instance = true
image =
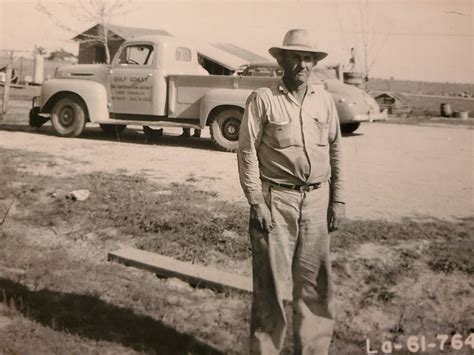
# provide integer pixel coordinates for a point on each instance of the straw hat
(297, 40)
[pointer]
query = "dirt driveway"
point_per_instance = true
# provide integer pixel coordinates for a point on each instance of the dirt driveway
(393, 171)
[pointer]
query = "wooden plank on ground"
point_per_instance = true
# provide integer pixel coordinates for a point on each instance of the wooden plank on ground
(196, 275)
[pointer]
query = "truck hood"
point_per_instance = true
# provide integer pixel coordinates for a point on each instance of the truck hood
(95, 72)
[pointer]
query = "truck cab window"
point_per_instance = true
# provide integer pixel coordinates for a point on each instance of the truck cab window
(183, 54)
(136, 55)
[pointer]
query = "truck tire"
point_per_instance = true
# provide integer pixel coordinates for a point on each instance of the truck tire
(349, 127)
(225, 129)
(68, 117)
(112, 129)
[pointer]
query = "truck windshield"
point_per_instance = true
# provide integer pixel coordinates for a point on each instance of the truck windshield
(136, 55)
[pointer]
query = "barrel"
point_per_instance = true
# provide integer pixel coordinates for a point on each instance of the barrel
(446, 110)
(464, 115)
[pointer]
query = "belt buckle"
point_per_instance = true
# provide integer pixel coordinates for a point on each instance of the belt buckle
(305, 188)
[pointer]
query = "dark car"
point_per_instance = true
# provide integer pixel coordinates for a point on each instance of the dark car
(353, 104)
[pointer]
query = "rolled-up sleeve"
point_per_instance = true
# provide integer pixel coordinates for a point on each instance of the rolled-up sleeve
(249, 140)
(335, 155)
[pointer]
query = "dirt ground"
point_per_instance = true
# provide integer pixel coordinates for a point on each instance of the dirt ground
(393, 171)
(403, 261)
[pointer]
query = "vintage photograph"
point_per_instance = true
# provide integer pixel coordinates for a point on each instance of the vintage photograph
(236, 177)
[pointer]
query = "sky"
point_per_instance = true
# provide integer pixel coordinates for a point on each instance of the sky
(428, 40)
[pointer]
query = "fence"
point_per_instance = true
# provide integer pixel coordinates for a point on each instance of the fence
(421, 87)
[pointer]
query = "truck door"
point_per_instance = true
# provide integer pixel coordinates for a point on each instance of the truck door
(132, 81)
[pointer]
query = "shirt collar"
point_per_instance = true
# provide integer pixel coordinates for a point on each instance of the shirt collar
(283, 89)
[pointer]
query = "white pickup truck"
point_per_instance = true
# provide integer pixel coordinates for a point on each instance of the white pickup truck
(152, 81)
(156, 81)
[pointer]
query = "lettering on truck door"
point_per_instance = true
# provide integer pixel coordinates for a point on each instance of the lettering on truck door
(132, 80)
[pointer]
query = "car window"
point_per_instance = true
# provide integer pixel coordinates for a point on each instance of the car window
(136, 55)
(263, 71)
(259, 71)
(324, 74)
(183, 54)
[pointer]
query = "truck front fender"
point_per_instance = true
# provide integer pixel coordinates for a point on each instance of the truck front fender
(216, 98)
(93, 94)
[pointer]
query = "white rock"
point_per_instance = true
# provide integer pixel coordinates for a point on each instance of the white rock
(79, 195)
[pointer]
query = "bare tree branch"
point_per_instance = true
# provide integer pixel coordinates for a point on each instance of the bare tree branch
(372, 40)
(341, 27)
(100, 12)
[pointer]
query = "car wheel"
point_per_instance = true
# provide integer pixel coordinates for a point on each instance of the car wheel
(349, 127)
(112, 129)
(68, 117)
(225, 129)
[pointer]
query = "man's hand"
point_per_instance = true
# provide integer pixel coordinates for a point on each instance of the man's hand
(336, 213)
(261, 217)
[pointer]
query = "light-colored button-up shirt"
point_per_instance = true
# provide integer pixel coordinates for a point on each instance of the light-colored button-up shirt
(286, 142)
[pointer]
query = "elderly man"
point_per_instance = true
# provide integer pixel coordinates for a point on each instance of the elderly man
(290, 169)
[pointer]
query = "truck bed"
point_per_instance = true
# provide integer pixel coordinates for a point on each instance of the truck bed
(186, 91)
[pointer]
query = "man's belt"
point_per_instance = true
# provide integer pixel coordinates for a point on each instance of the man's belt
(301, 188)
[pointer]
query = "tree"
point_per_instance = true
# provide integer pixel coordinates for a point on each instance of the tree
(60, 55)
(39, 50)
(93, 12)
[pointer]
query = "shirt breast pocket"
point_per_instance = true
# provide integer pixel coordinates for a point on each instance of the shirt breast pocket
(321, 132)
(280, 134)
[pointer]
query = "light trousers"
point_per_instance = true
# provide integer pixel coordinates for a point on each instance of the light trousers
(292, 259)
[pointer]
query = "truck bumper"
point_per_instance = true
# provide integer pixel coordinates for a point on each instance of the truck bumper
(36, 102)
(371, 116)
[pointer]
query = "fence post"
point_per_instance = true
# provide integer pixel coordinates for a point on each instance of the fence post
(6, 91)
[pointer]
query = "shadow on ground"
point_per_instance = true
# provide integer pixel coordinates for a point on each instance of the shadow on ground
(135, 136)
(353, 134)
(90, 317)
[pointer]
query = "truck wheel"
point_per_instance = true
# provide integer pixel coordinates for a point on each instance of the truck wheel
(225, 130)
(349, 127)
(68, 117)
(112, 129)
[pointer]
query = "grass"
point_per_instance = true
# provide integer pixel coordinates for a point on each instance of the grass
(187, 224)
(392, 279)
(448, 256)
(169, 223)
(450, 244)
